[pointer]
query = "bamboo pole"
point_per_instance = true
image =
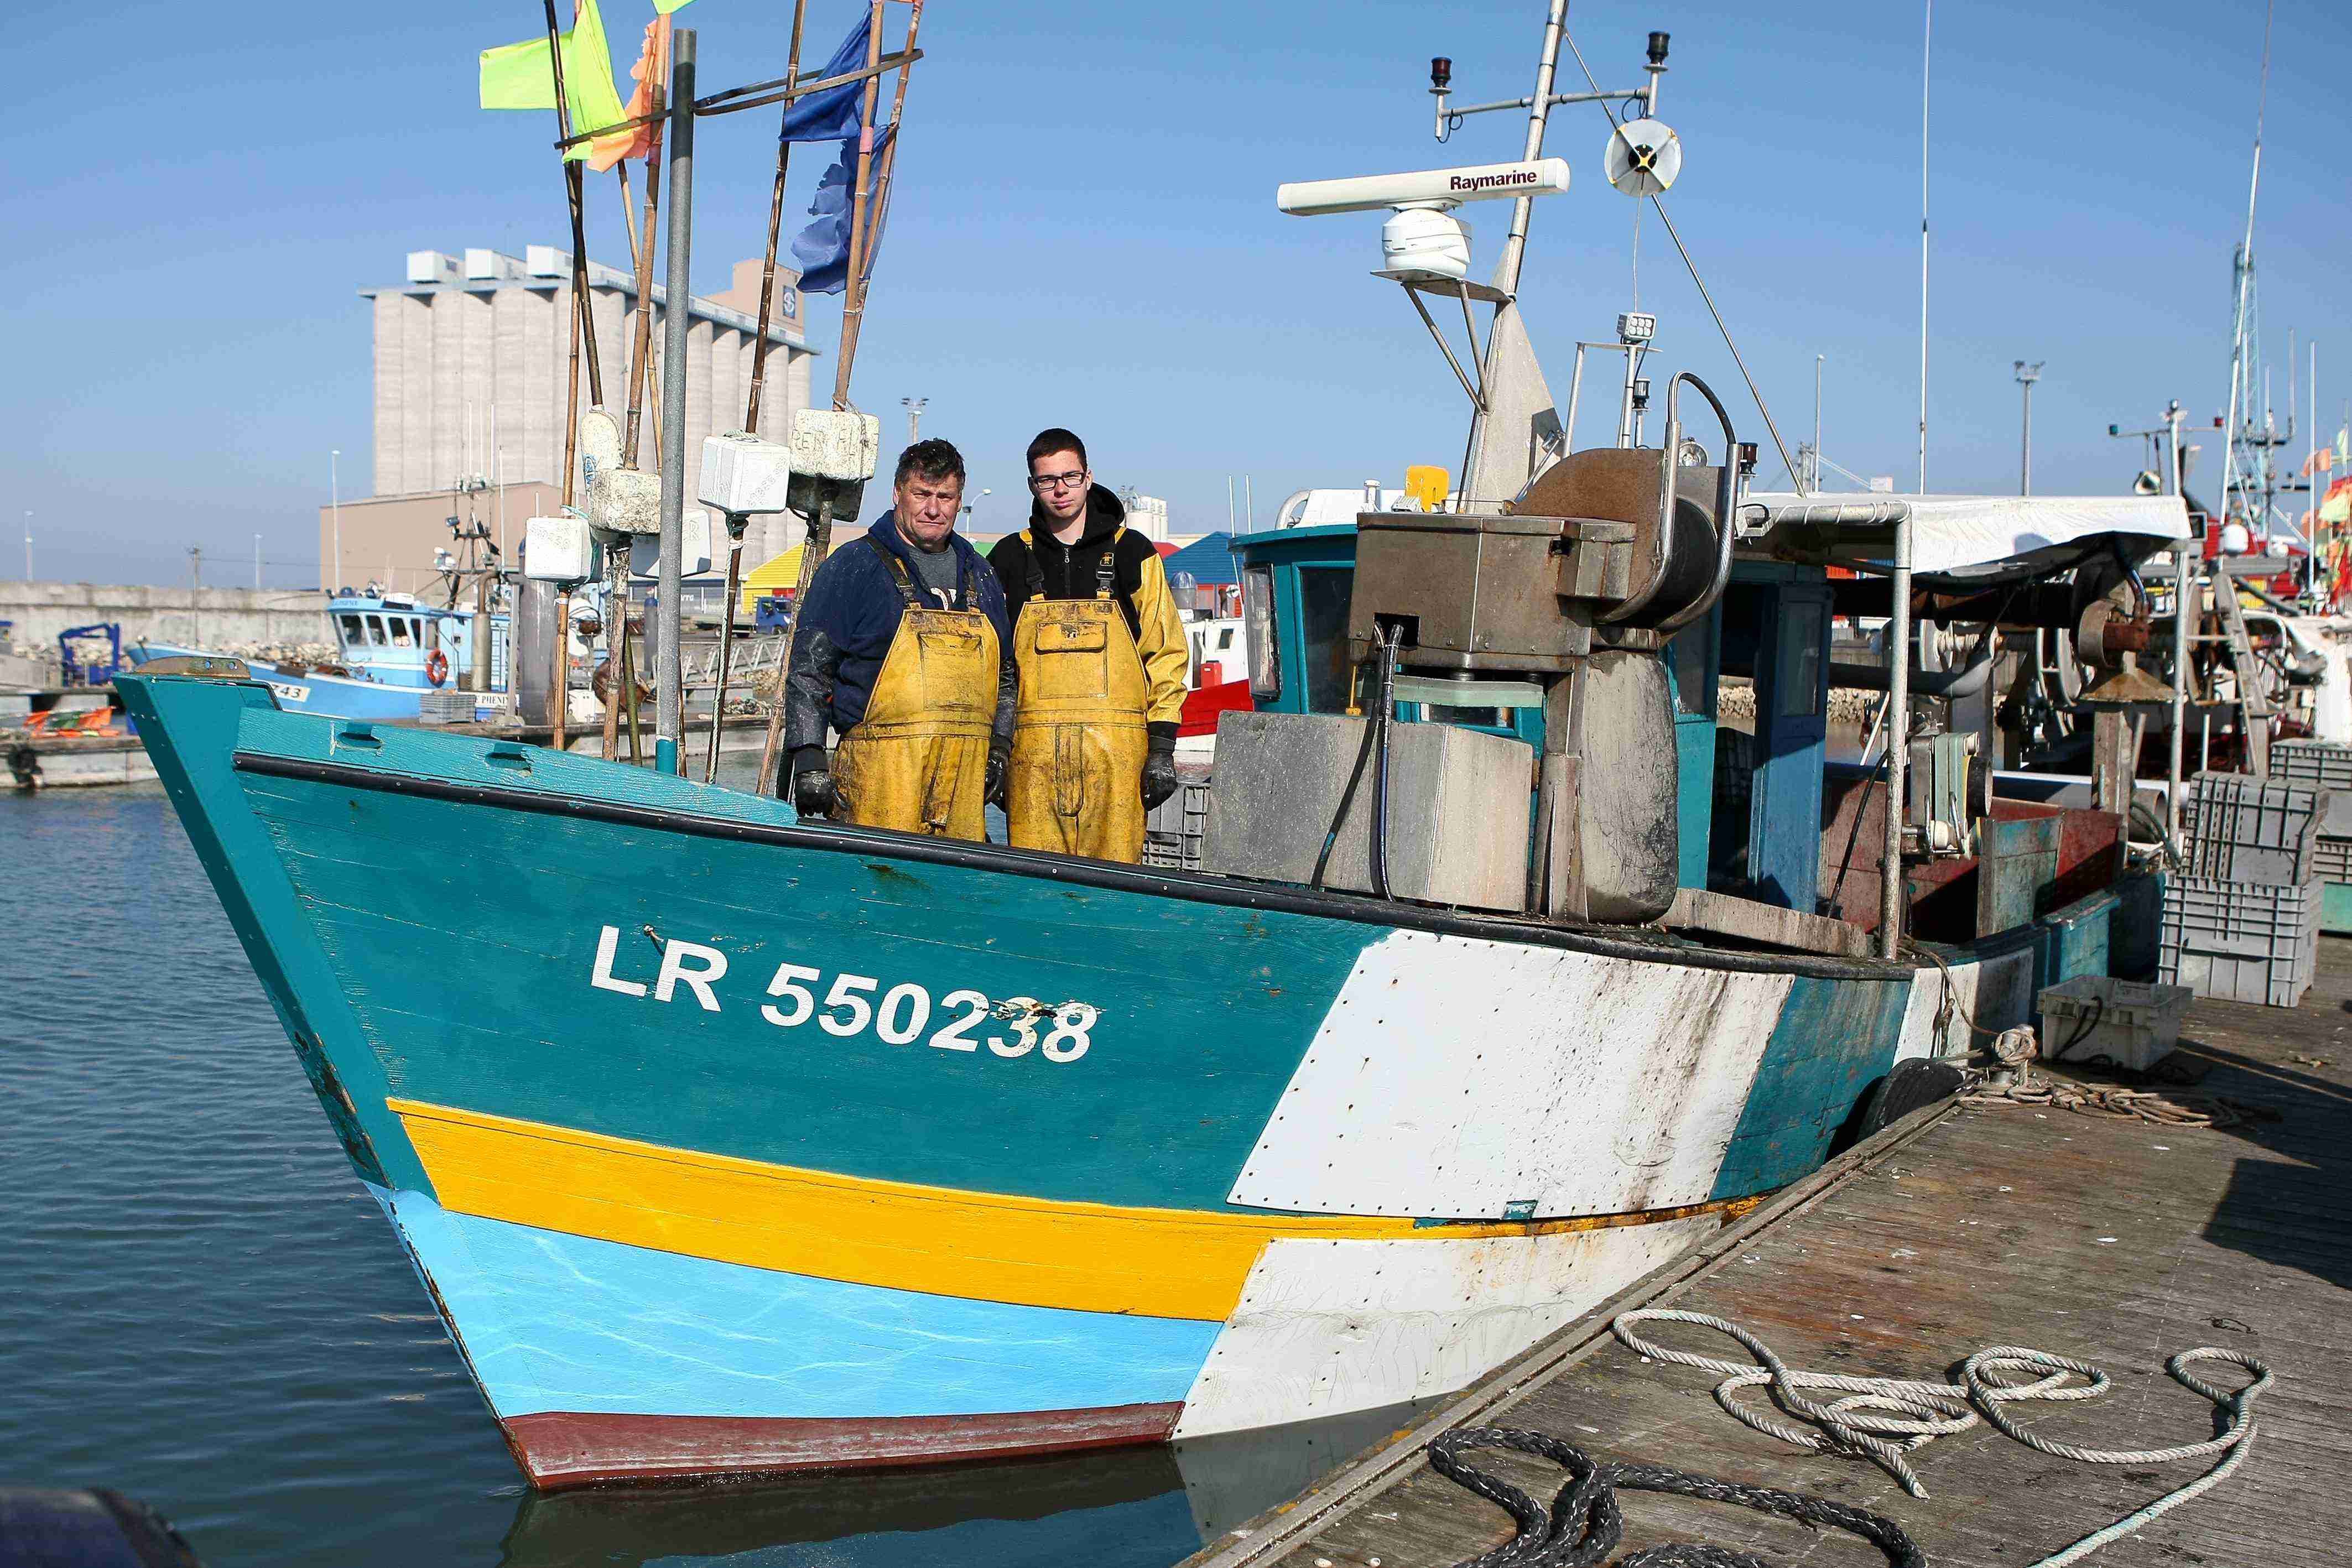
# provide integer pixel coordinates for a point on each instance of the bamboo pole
(629, 684)
(726, 647)
(575, 194)
(616, 631)
(820, 529)
(641, 249)
(751, 402)
(853, 302)
(558, 700)
(868, 227)
(775, 229)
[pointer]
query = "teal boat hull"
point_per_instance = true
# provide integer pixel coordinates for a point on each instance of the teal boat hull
(726, 1142)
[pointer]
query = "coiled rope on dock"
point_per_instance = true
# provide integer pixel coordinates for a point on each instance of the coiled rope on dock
(1885, 1419)
(2011, 1080)
(1585, 1524)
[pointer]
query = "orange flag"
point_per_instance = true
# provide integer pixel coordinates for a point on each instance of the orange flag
(649, 73)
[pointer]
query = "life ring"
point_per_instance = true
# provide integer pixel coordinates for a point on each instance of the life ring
(437, 667)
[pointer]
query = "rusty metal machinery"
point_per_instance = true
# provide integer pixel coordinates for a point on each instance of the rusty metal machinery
(1600, 559)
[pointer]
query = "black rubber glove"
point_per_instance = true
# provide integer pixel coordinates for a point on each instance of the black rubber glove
(999, 763)
(813, 794)
(1159, 773)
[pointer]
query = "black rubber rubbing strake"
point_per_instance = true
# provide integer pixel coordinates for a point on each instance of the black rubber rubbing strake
(1584, 1523)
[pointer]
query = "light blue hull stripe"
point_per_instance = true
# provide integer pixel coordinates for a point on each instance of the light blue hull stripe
(552, 1321)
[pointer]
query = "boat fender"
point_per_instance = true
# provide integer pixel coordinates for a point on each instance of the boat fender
(1911, 1085)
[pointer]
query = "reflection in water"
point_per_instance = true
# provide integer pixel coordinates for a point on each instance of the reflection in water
(1125, 1508)
(205, 1311)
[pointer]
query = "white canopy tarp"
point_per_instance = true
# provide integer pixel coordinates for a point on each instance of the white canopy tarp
(1973, 538)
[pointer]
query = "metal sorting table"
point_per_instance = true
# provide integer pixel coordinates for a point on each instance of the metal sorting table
(2118, 1242)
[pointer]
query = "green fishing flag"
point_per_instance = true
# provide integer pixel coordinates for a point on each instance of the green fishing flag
(518, 76)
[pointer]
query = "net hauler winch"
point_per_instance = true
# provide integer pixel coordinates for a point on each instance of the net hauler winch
(1553, 577)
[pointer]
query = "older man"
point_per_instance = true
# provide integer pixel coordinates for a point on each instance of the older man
(905, 651)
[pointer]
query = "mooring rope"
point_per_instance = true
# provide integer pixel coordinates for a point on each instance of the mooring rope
(1585, 1524)
(2011, 1080)
(1887, 1418)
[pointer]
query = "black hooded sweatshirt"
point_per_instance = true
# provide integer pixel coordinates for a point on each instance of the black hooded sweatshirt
(1071, 571)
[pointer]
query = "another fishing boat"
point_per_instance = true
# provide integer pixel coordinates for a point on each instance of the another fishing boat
(391, 649)
(728, 1141)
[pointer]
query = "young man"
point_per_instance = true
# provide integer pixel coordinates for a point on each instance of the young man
(904, 649)
(1101, 652)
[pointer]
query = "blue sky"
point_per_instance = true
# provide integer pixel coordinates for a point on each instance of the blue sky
(1086, 235)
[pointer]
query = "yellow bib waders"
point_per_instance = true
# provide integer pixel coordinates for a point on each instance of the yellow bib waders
(918, 762)
(1075, 785)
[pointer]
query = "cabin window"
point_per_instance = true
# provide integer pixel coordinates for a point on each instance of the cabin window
(1692, 653)
(1264, 656)
(1224, 638)
(352, 634)
(1475, 717)
(400, 635)
(1323, 595)
(375, 630)
(1798, 680)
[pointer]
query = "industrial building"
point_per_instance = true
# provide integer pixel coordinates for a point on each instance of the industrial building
(472, 355)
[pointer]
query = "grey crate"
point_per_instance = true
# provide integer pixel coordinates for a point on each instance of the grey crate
(2249, 830)
(1173, 831)
(2239, 941)
(2331, 858)
(2326, 763)
(445, 708)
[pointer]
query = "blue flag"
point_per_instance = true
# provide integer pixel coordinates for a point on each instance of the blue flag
(836, 112)
(821, 249)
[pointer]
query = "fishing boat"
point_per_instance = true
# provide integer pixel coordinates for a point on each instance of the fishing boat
(390, 650)
(725, 1141)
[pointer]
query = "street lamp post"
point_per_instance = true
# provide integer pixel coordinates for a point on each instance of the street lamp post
(335, 502)
(2026, 376)
(914, 407)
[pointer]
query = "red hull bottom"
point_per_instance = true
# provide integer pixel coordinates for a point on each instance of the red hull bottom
(565, 1449)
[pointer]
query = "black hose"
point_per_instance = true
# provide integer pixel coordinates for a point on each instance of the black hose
(1347, 799)
(1384, 722)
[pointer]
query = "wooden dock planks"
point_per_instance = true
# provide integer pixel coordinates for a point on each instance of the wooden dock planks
(2118, 1242)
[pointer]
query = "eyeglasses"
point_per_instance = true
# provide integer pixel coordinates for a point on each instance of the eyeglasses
(1043, 482)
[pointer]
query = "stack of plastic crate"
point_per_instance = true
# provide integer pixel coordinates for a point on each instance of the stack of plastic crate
(2328, 764)
(2242, 923)
(1173, 831)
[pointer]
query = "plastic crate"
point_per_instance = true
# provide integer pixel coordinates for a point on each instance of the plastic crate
(2242, 942)
(1174, 829)
(445, 708)
(2331, 857)
(2327, 764)
(2126, 1023)
(2249, 830)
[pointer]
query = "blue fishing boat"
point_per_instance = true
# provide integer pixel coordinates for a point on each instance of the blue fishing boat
(725, 1141)
(390, 650)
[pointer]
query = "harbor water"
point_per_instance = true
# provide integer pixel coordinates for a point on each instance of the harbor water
(207, 1312)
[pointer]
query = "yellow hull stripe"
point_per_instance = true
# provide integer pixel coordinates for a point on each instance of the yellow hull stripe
(1091, 1257)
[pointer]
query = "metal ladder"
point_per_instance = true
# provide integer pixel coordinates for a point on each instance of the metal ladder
(2255, 711)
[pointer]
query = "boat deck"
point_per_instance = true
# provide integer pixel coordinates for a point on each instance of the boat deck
(2118, 1242)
